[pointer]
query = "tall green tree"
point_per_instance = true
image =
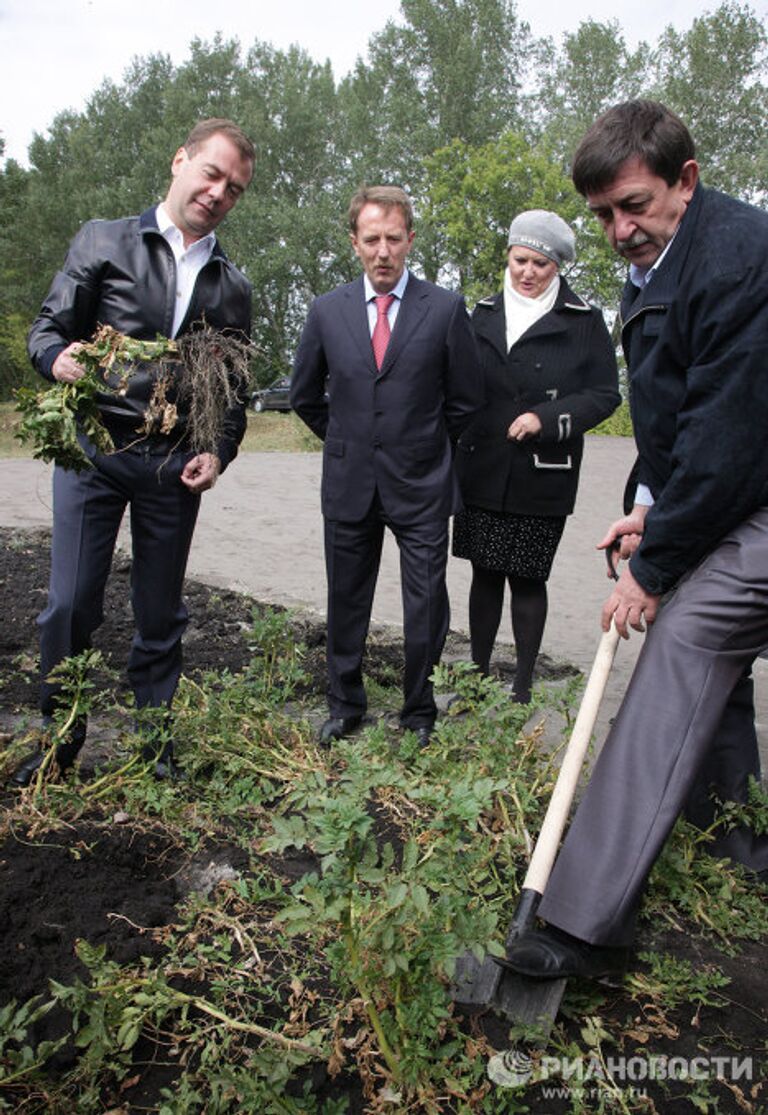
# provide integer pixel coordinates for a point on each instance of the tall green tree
(453, 69)
(591, 70)
(713, 76)
(15, 276)
(475, 192)
(288, 230)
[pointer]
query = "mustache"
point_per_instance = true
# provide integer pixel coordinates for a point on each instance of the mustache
(635, 241)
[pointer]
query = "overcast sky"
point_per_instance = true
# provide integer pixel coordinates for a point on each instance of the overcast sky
(55, 53)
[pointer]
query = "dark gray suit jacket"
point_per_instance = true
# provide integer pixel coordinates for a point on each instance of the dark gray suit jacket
(392, 431)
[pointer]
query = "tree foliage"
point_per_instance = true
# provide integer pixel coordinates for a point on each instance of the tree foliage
(592, 71)
(456, 101)
(712, 75)
(476, 190)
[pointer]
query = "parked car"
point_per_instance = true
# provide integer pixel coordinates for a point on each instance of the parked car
(275, 397)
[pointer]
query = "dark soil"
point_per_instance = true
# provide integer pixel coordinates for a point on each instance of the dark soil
(118, 887)
(215, 639)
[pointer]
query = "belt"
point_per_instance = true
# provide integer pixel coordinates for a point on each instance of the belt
(153, 445)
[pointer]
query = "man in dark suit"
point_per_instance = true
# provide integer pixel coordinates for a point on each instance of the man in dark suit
(695, 331)
(388, 409)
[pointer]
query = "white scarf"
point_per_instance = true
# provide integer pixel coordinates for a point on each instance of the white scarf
(520, 312)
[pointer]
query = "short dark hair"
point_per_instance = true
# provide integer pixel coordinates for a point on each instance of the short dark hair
(218, 125)
(645, 130)
(388, 197)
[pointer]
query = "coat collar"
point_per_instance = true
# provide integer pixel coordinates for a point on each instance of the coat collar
(488, 317)
(413, 308)
(148, 225)
(356, 319)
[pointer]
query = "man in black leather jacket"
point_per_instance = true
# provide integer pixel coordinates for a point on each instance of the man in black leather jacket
(160, 273)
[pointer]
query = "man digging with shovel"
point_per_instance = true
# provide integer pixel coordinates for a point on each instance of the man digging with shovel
(695, 334)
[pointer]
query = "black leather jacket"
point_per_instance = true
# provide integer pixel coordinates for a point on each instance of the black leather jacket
(122, 273)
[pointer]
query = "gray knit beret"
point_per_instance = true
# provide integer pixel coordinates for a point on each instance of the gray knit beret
(543, 232)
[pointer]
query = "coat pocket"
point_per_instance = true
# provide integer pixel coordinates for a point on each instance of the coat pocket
(421, 458)
(558, 462)
(334, 447)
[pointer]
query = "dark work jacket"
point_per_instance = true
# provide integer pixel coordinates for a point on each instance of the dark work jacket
(696, 342)
(389, 433)
(122, 273)
(563, 369)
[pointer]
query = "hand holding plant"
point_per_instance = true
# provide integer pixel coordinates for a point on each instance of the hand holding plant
(205, 370)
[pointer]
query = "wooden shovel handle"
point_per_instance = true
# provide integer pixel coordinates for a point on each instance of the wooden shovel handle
(565, 787)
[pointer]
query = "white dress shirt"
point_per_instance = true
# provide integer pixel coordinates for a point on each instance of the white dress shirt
(394, 307)
(189, 262)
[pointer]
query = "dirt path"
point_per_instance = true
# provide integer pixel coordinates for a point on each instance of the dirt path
(260, 531)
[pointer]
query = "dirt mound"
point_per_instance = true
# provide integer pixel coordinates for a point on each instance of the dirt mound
(112, 886)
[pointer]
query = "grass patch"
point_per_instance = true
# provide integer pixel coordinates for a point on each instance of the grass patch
(618, 424)
(10, 419)
(272, 432)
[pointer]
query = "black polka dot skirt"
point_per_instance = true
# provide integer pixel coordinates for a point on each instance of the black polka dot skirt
(523, 545)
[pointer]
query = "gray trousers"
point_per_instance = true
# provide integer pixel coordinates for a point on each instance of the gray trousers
(87, 510)
(685, 727)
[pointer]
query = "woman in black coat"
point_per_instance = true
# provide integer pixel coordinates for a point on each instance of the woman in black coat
(550, 374)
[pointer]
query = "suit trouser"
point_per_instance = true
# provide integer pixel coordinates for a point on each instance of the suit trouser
(352, 557)
(687, 720)
(87, 510)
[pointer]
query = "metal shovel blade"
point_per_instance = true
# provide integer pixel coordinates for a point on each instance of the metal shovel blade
(528, 1002)
(485, 984)
(475, 982)
(482, 985)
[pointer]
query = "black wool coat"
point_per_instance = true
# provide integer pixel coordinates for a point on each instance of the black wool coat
(696, 340)
(563, 369)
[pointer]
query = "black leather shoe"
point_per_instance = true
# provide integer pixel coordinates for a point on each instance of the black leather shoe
(66, 753)
(166, 769)
(423, 732)
(551, 953)
(26, 770)
(337, 727)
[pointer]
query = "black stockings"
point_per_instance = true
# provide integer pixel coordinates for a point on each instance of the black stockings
(529, 614)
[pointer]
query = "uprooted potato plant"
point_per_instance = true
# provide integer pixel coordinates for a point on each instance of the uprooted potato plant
(297, 912)
(205, 370)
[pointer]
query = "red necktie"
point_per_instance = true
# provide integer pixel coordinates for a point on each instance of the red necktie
(381, 329)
